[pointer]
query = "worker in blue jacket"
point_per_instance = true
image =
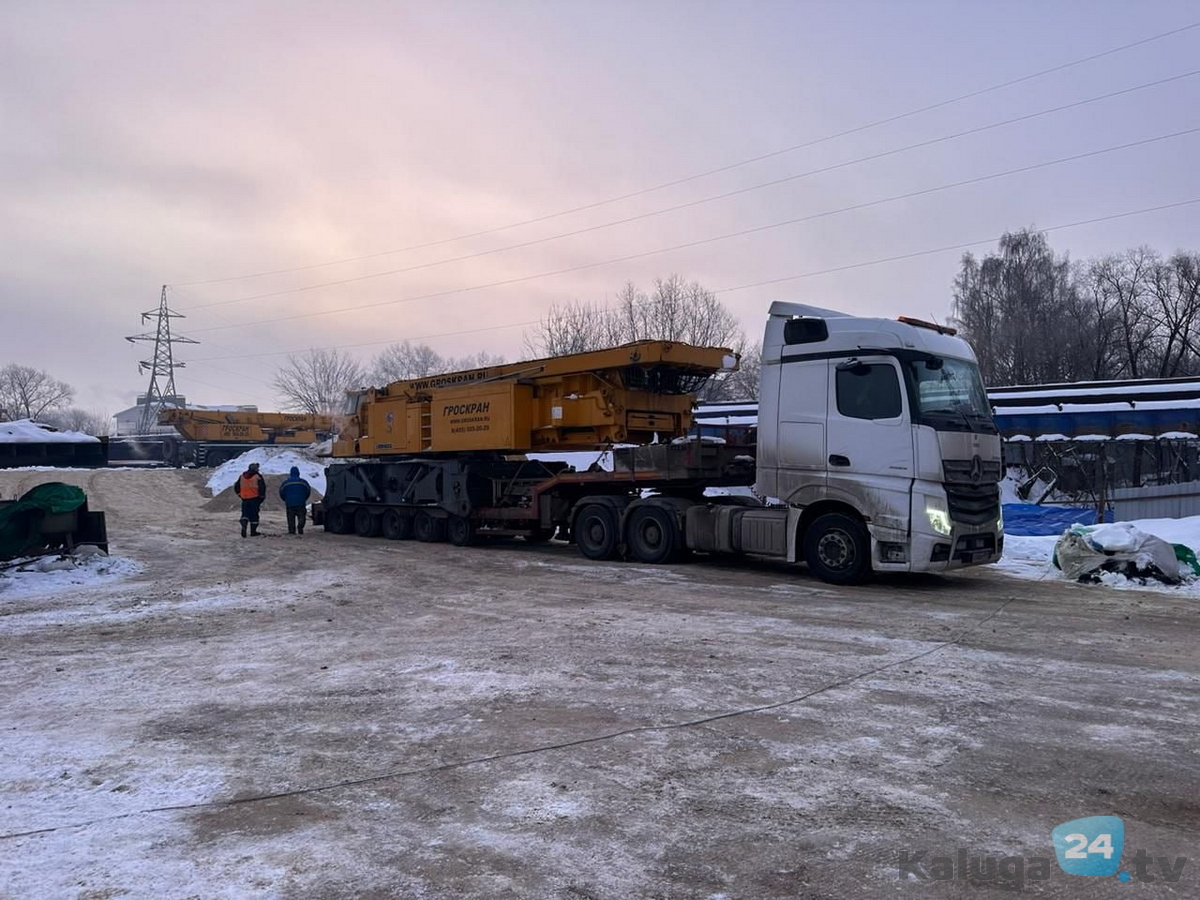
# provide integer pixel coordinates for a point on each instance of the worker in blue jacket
(294, 493)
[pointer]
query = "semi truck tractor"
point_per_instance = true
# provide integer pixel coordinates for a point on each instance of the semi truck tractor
(875, 451)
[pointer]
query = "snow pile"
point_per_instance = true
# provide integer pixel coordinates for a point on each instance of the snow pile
(271, 461)
(51, 575)
(1030, 557)
(23, 431)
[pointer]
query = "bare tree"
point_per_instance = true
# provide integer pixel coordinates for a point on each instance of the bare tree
(76, 419)
(1175, 287)
(574, 328)
(316, 382)
(480, 360)
(675, 311)
(1013, 305)
(740, 384)
(678, 311)
(29, 393)
(405, 361)
(401, 362)
(1125, 281)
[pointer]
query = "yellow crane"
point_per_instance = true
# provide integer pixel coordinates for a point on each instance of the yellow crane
(215, 426)
(582, 401)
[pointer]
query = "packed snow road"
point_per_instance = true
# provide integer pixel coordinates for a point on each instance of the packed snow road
(327, 717)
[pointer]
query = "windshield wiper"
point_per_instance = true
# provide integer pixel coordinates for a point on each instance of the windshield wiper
(957, 410)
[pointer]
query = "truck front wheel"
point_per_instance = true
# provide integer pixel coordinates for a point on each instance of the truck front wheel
(595, 531)
(837, 549)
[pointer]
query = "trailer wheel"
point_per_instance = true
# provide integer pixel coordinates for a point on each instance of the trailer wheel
(427, 528)
(396, 525)
(366, 522)
(595, 531)
(460, 531)
(338, 521)
(837, 549)
(652, 535)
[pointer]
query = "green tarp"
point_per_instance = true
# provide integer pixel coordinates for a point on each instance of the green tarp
(20, 522)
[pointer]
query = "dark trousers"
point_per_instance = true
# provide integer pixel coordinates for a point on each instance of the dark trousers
(296, 516)
(250, 511)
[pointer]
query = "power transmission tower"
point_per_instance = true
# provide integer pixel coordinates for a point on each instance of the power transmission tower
(162, 366)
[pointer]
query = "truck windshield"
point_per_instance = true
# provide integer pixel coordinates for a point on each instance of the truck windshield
(949, 393)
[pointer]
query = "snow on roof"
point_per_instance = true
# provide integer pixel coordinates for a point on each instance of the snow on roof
(1092, 389)
(1095, 407)
(23, 431)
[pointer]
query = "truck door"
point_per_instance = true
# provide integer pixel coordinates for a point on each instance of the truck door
(869, 442)
(800, 436)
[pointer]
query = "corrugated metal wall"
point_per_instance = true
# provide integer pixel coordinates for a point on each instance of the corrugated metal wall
(1163, 501)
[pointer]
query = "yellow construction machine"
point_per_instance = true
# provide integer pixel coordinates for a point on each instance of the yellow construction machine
(210, 437)
(583, 401)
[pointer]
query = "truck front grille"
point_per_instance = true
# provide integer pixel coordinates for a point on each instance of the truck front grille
(973, 504)
(958, 471)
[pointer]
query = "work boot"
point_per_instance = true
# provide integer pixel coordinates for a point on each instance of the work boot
(253, 529)
(243, 527)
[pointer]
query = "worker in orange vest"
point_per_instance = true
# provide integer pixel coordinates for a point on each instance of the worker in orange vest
(252, 488)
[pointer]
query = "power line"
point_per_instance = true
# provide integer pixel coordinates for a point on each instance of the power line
(699, 242)
(918, 253)
(418, 337)
(796, 277)
(703, 200)
(725, 168)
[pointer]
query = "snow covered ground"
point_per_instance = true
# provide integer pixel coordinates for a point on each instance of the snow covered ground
(271, 461)
(1030, 557)
(331, 716)
(51, 575)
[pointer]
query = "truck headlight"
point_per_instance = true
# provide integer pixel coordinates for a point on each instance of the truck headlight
(939, 520)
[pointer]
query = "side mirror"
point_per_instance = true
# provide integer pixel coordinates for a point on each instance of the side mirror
(805, 331)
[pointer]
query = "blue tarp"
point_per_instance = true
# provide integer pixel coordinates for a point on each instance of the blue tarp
(1028, 519)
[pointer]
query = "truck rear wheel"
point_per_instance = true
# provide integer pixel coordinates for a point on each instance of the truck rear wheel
(652, 535)
(396, 525)
(427, 528)
(837, 549)
(460, 531)
(595, 531)
(366, 522)
(338, 520)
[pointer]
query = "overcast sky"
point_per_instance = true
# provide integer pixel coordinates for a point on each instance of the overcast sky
(155, 143)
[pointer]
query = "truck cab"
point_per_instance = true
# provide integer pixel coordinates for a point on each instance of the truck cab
(880, 426)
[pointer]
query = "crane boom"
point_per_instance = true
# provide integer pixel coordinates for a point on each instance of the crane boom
(214, 426)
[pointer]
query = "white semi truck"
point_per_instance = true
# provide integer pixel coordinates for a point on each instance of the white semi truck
(878, 438)
(875, 451)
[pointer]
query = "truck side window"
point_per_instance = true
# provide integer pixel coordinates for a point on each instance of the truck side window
(869, 392)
